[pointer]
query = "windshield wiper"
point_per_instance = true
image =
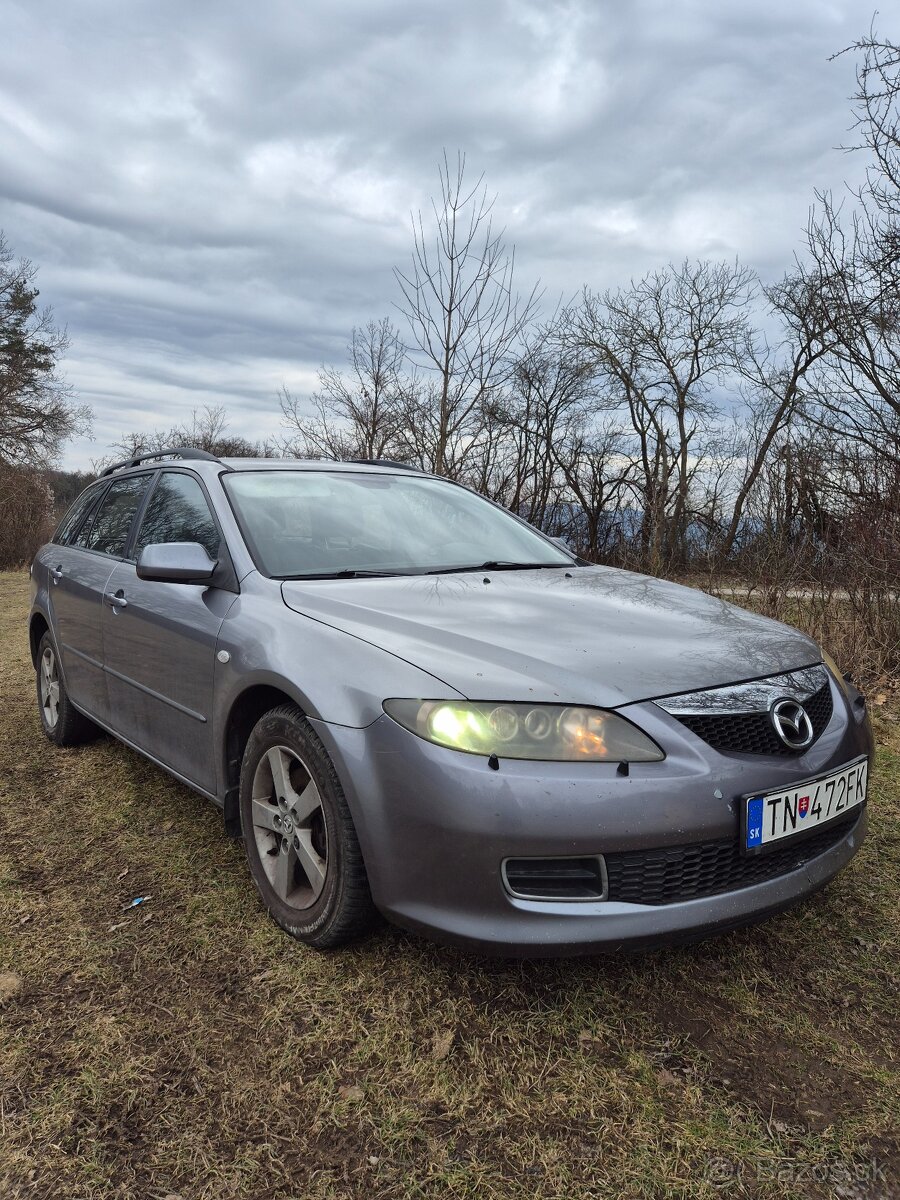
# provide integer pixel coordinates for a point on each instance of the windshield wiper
(494, 564)
(347, 573)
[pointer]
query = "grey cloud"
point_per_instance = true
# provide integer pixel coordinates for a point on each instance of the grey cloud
(216, 193)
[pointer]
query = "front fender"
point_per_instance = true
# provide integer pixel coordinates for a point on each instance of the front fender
(333, 676)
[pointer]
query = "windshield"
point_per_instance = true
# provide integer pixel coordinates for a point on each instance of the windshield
(326, 523)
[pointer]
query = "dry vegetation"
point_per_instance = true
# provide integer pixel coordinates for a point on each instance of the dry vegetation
(859, 625)
(26, 515)
(187, 1048)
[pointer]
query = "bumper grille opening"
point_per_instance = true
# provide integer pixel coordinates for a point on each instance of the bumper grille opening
(754, 733)
(555, 878)
(676, 873)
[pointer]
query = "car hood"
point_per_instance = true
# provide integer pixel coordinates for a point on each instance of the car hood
(587, 635)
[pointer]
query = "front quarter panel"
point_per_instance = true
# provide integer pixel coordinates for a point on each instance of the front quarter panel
(333, 676)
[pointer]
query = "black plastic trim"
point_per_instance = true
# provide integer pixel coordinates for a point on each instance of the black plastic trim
(185, 452)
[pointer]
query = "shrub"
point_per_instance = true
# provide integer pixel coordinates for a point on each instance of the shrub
(26, 514)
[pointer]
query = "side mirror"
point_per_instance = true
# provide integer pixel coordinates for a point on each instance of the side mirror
(175, 562)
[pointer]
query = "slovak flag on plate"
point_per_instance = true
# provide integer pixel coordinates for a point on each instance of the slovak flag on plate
(803, 805)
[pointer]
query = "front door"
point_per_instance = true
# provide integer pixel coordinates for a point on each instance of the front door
(159, 639)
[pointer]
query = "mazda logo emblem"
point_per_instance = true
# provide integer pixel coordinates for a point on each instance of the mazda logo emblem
(792, 724)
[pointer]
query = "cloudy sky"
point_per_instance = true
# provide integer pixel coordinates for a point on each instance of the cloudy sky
(216, 193)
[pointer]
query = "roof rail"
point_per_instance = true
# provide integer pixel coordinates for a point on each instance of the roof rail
(382, 462)
(174, 452)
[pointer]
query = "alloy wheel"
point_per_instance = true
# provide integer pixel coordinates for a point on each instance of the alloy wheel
(49, 687)
(289, 827)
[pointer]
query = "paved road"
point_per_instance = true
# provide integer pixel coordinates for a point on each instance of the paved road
(793, 593)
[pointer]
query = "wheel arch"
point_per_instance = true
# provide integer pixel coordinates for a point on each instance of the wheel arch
(37, 627)
(246, 709)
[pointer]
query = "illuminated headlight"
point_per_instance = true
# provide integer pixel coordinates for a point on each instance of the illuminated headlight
(555, 732)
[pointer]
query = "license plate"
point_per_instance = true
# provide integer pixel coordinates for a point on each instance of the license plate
(771, 817)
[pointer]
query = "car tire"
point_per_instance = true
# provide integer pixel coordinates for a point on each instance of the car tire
(301, 844)
(61, 721)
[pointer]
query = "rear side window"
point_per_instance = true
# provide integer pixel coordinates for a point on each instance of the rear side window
(178, 512)
(108, 532)
(73, 518)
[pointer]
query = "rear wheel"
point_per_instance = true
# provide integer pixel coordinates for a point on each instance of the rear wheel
(301, 845)
(62, 722)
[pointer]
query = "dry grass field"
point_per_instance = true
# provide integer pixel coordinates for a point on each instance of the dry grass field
(187, 1048)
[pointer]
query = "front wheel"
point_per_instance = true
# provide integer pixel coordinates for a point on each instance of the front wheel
(301, 845)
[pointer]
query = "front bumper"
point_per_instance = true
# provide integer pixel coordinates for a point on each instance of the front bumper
(435, 826)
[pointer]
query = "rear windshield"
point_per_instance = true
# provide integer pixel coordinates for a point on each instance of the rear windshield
(326, 523)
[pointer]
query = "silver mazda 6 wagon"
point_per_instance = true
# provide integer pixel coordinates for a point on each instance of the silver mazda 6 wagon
(407, 700)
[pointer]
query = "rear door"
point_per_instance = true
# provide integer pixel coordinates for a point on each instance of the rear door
(80, 563)
(159, 639)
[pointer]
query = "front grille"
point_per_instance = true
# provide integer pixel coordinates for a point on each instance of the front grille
(754, 733)
(675, 873)
(554, 878)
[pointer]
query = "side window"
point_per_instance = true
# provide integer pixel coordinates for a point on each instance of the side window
(71, 521)
(178, 512)
(108, 532)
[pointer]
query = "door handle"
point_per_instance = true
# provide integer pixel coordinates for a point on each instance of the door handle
(116, 600)
(56, 574)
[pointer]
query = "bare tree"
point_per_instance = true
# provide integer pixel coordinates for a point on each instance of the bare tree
(358, 413)
(877, 117)
(464, 315)
(597, 477)
(550, 388)
(547, 422)
(852, 266)
(207, 430)
(776, 383)
(658, 348)
(855, 270)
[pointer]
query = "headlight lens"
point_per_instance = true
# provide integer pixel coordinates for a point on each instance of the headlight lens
(554, 732)
(835, 670)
